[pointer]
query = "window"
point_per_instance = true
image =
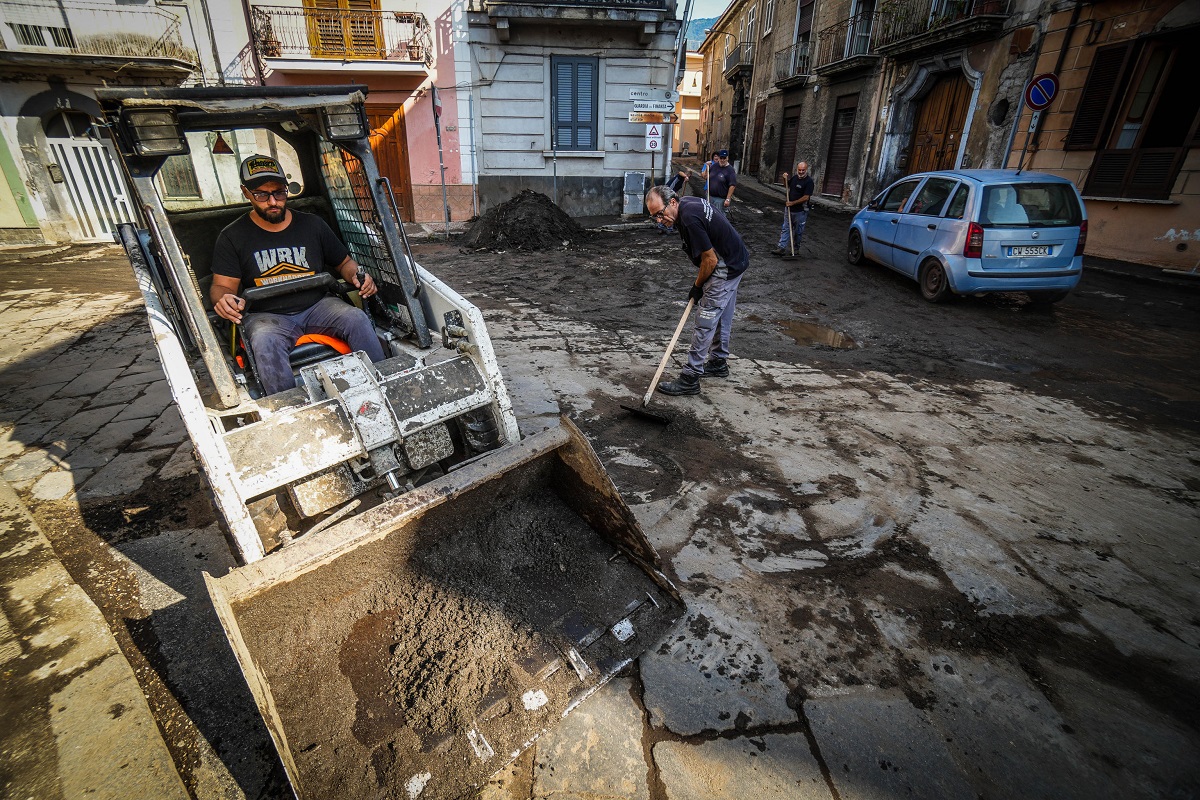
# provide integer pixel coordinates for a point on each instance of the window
(898, 195)
(768, 16)
(574, 92)
(344, 28)
(958, 205)
(69, 125)
(177, 178)
(43, 35)
(1140, 113)
(932, 197)
(1045, 205)
(751, 21)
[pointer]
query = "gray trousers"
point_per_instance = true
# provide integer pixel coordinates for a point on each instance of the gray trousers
(714, 320)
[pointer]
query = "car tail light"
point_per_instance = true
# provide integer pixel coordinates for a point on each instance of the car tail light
(1082, 238)
(974, 248)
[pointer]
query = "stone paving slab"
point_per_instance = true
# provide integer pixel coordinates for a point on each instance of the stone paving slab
(876, 744)
(772, 767)
(596, 751)
(123, 475)
(76, 722)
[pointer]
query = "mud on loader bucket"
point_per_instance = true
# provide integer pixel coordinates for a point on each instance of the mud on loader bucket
(419, 647)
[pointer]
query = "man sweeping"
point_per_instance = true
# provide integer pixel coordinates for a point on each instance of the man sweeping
(800, 191)
(722, 258)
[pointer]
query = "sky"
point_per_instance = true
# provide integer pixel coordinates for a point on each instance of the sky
(704, 8)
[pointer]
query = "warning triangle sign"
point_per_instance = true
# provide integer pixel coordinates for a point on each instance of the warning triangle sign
(653, 131)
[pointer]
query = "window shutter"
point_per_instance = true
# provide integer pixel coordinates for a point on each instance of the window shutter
(564, 104)
(806, 19)
(1100, 94)
(585, 96)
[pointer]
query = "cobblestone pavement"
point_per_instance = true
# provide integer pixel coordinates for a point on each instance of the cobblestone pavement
(896, 586)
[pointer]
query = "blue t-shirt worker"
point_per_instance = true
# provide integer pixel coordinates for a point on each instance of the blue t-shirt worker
(722, 180)
(722, 258)
(273, 244)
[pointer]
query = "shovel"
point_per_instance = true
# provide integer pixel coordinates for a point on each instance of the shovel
(787, 212)
(643, 410)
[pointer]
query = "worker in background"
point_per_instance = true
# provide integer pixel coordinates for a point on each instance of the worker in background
(799, 191)
(722, 180)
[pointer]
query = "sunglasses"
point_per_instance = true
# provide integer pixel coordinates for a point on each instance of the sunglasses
(262, 197)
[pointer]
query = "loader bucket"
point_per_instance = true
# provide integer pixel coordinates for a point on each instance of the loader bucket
(419, 647)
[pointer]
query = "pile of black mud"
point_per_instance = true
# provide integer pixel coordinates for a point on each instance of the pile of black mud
(529, 221)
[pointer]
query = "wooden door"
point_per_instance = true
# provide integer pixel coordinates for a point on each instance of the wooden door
(389, 144)
(760, 116)
(939, 124)
(787, 143)
(839, 146)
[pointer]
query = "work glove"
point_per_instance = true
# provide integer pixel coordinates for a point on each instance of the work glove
(696, 293)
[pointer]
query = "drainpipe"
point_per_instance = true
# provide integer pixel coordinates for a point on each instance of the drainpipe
(1062, 56)
(885, 76)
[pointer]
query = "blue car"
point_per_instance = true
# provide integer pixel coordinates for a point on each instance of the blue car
(976, 230)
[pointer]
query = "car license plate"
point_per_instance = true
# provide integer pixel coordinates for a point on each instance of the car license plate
(1024, 251)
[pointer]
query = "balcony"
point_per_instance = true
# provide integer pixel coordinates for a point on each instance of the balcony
(910, 27)
(649, 17)
(144, 38)
(792, 65)
(291, 39)
(847, 45)
(739, 62)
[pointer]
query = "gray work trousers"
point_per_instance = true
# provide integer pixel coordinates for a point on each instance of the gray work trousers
(714, 320)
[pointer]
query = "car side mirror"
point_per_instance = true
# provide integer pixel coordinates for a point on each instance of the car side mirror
(873, 205)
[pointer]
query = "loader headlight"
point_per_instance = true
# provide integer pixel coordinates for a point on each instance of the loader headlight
(155, 132)
(344, 122)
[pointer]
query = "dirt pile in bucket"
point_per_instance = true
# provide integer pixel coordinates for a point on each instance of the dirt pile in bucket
(529, 221)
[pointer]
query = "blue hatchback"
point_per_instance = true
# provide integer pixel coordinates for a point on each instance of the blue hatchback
(976, 230)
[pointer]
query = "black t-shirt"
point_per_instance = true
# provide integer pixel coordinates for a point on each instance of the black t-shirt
(799, 187)
(257, 257)
(720, 179)
(701, 229)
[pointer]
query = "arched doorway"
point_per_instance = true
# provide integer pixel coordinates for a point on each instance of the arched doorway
(938, 127)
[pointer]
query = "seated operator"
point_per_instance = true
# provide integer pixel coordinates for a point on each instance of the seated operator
(272, 244)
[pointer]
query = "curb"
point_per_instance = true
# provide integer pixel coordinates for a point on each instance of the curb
(78, 722)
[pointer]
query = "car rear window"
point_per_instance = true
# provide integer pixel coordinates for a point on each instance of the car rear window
(932, 197)
(1030, 205)
(958, 205)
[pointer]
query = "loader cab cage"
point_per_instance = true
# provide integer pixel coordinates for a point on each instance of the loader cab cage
(325, 132)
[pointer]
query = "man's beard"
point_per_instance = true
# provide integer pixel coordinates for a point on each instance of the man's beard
(271, 215)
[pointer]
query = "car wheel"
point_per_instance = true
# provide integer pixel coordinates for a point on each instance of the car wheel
(854, 250)
(1046, 298)
(935, 287)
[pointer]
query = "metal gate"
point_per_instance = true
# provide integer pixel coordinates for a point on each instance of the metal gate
(839, 145)
(93, 187)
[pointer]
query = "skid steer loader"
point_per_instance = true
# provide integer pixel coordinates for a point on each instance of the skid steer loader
(422, 591)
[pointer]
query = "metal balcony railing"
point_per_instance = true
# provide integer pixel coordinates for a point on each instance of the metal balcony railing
(846, 39)
(897, 20)
(96, 29)
(792, 62)
(742, 55)
(335, 33)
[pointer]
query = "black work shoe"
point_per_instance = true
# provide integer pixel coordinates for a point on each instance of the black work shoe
(686, 383)
(779, 251)
(716, 368)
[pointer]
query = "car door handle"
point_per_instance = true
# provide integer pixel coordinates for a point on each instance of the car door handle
(894, 220)
(932, 227)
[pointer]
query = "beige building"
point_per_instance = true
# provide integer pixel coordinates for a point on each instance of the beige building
(1126, 126)
(867, 91)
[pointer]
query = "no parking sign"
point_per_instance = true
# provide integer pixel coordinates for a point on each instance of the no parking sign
(1040, 91)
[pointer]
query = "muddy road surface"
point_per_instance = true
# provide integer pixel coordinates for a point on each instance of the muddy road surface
(929, 551)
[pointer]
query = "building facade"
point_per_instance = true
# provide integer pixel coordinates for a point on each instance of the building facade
(867, 91)
(553, 85)
(61, 182)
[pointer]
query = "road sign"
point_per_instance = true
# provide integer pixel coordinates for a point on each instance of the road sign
(654, 131)
(665, 106)
(646, 116)
(1040, 91)
(654, 142)
(648, 93)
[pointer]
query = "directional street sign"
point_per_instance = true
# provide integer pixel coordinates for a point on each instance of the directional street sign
(646, 116)
(649, 93)
(665, 106)
(1040, 91)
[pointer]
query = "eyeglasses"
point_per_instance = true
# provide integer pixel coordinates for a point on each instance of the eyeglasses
(262, 197)
(659, 216)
